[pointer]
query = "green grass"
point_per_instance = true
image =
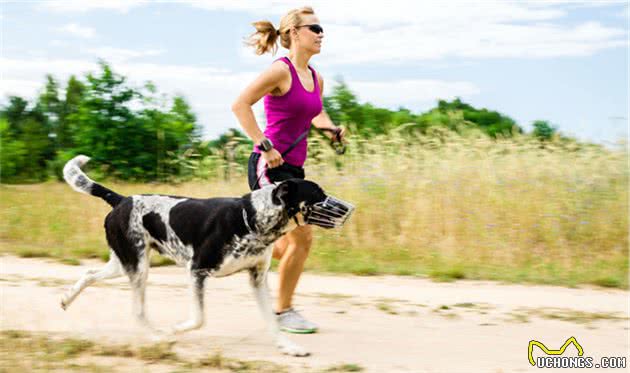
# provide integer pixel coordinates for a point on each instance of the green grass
(563, 314)
(32, 252)
(608, 282)
(70, 261)
(447, 274)
(160, 261)
(345, 368)
(387, 308)
(470, 208)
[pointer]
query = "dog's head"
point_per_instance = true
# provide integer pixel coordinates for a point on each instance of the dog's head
(294, 194)
(306, 201)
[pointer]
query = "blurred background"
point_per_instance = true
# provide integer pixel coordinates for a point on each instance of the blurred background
(486, 140)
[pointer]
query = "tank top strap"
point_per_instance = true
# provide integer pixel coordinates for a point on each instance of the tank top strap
(315, 79)
(291, 67)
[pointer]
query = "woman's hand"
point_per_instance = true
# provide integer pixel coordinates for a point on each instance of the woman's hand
(273, 158)
(341, 133)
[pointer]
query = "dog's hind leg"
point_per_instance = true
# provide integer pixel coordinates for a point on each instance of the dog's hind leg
(258, 281)
(197, 279)
(138, 280)
(112, 269)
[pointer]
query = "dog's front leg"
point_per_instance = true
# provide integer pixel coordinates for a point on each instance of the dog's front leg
(258, 280)
(197, 278)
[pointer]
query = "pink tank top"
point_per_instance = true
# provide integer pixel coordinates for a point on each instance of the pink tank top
(290, 115)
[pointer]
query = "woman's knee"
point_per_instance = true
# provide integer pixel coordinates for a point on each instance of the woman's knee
(300, 239)
(280, 247)
(304, 234)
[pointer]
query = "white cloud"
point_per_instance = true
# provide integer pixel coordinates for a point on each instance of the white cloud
(20, 87)
(78, 30)
(410, 93)
(58, 43)
(410, 31)
(410, 43)
(117, 55)
(81, 6)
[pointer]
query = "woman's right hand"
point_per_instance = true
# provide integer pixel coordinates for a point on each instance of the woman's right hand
(273, 158)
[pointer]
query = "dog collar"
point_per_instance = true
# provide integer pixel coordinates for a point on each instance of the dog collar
(246, 222)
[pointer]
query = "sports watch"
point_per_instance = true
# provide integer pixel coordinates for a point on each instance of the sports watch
(265, 145)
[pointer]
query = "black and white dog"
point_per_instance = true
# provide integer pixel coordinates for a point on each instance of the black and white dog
(210, 237)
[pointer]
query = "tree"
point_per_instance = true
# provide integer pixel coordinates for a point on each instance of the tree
(12, 153)
(343, 107)
(15, 112)
(26, 135)
(38, 145)
(130, 133)
(543, 130)
(49, 102)
(69, 107)
(104, 126)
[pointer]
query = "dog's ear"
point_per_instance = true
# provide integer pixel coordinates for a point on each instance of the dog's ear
(283, 192)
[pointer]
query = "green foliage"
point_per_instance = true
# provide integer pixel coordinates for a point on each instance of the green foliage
(543, 130)
(457, 115)
(367, 120)
(13, 113)
(104, 126)
(75, 91)
(25, 142)
(130, 133)
(12, 153)
(137, 133)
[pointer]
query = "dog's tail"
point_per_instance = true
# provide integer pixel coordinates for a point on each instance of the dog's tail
(80, 182)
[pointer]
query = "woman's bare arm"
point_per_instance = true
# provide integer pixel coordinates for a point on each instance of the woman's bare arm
(268, 81)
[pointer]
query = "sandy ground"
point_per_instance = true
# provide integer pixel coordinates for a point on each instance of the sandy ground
(383, 324)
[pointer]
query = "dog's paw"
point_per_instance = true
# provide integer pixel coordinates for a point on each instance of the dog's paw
(289, 348)
(63, 303)
(186, 326)
(162, 336)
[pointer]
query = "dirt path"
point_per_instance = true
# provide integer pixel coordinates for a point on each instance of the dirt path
(383, 324)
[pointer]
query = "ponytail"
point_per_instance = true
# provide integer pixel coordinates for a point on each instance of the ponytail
(266, 36)
(264, 39)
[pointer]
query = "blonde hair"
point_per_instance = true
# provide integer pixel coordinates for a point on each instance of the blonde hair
(266, 36)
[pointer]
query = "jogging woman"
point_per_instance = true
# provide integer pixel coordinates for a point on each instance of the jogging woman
(292, 92)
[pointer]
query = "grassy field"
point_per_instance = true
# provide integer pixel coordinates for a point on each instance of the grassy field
(444, 207)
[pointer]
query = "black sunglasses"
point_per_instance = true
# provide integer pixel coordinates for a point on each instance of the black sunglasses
(317, 29)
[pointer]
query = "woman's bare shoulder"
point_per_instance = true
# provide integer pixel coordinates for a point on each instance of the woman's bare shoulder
(279, 67)
(277, 71)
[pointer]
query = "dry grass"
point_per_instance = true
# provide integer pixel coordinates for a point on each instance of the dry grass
(456, 208)
(22, 351)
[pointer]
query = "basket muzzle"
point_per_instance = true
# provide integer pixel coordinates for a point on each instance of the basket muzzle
(329, 213)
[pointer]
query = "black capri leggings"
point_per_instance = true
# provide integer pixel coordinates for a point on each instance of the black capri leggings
(257, 167)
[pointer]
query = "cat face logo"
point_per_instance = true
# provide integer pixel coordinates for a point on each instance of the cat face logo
(560, 351)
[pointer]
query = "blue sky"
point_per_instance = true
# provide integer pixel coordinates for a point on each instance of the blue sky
(562, 61)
